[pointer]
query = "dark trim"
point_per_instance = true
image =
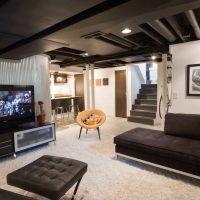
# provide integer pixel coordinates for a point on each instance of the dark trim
(188, 78)
(90, 12)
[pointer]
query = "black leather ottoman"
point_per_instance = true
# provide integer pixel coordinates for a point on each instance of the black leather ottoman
(49, 176)
(6, 195)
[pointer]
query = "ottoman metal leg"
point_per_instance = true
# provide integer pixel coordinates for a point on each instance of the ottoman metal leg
(76, 188)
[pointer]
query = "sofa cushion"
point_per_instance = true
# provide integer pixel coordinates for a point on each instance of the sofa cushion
(155, 142)
(182, 125)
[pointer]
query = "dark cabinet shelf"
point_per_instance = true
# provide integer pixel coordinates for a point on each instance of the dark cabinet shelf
(25, 137)
(6, 144)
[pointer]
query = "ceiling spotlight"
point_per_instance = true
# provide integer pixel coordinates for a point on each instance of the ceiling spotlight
(126, 30)
(153, 57)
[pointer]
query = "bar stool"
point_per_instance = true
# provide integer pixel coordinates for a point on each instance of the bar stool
(75, 107)
(59, 110)
(65, 104)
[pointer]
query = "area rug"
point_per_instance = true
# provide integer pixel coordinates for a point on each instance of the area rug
(107, 178)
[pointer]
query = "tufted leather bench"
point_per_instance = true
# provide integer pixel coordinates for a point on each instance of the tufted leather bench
(49, 176)
(6, 195)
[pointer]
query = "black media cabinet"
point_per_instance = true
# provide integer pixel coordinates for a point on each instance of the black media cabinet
(25, 136)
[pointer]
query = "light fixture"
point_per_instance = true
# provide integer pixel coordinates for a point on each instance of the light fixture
(85, 54)
(126, 30)
(153, 57)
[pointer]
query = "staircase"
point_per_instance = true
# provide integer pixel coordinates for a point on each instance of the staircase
(145, 108)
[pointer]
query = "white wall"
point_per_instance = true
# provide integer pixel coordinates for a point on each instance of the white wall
(29, 71)
(182, 55)
(134, 84)
(105, 95)
(63, 88)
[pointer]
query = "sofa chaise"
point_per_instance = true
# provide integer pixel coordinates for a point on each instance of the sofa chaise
(177, 148)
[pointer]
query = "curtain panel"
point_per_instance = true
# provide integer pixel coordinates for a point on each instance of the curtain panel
(29, 71)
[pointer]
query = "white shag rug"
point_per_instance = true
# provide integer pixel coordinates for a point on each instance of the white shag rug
(107, 178)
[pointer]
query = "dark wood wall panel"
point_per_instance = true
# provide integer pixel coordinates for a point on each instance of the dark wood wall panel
(79, 90)
(120, 94)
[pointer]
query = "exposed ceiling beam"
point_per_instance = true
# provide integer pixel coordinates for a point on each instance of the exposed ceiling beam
(117, 39)
(148, 30)
(163, 30)
(93, 59)
(193, 21)
(60, 53)
(174, 24)
(90, 12)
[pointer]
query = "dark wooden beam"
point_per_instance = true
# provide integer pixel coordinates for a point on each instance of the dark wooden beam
(90, 12)
(93, 59)
(61, 53)
(174, 24)
(153, 34)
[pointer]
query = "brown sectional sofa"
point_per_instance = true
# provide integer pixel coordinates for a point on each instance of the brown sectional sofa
(177, 147)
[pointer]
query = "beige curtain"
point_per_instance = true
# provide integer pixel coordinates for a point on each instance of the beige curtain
(29, 71)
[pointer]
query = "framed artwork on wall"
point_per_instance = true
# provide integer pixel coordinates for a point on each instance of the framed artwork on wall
(105, 81)
(98, 82)
(193, 80)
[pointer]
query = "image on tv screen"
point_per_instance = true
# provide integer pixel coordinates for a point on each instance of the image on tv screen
(15, 103)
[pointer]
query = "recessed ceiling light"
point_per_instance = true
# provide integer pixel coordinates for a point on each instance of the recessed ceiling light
(153, 57)
(126, 30)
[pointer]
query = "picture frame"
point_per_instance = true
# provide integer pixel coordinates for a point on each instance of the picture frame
(193, 80)
(60, 78)
(105, 81)
(98, 82)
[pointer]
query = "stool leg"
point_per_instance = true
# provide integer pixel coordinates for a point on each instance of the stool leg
(76, 188)
(86, 131)
(80, 133)
(98, 133)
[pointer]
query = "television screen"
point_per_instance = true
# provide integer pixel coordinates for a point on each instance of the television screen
(16, 102)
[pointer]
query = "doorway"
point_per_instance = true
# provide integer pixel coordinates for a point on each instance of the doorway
(79, 90)
(120, 94)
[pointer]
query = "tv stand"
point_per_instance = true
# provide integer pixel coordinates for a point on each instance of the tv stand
(25, 136)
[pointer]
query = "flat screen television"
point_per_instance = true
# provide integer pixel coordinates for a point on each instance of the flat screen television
(16, 104)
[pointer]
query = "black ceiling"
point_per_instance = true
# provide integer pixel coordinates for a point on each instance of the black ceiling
(67, 29)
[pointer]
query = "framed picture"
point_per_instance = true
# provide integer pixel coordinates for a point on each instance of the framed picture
(98, 82)
(105, 81)
(193, 80)
(60, 78)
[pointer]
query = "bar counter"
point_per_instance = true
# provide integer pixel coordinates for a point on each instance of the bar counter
(65, 102)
